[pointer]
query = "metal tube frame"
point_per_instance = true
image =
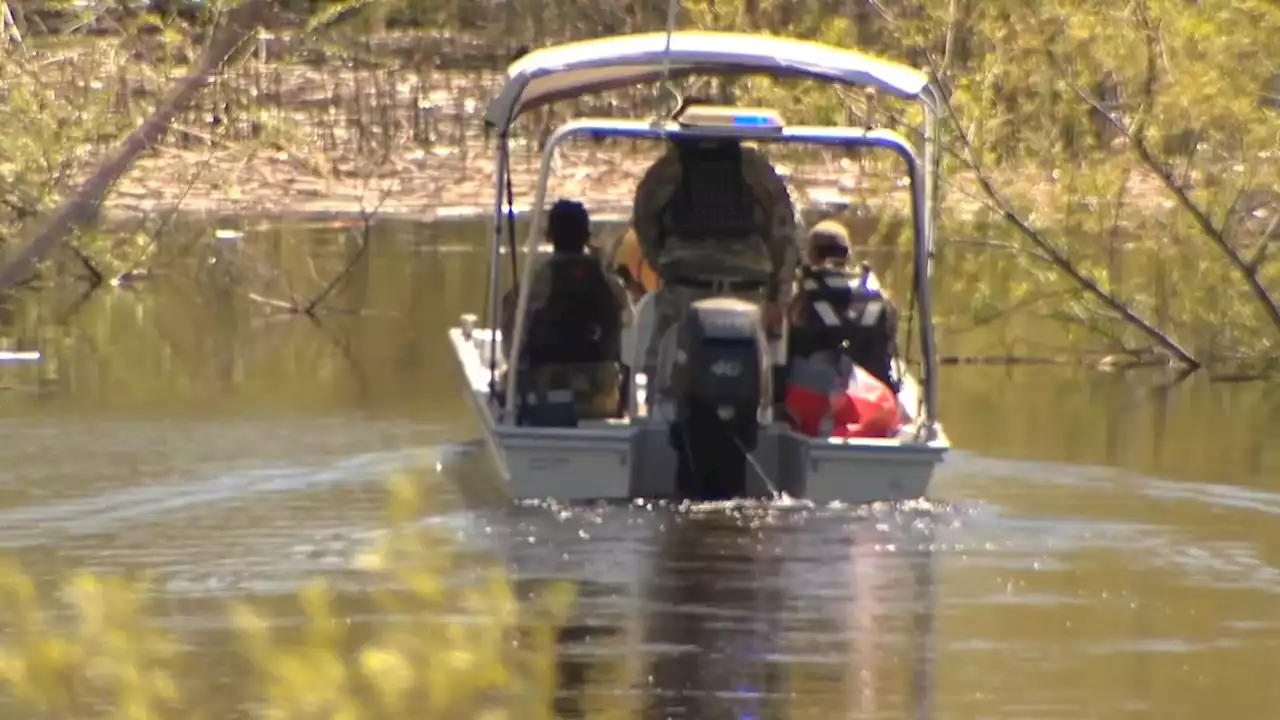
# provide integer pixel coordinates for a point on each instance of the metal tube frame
(495, 267)
(922, 207)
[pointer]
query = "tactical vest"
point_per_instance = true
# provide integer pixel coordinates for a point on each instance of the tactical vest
(580, 321)
(843, 315)
(712, 208)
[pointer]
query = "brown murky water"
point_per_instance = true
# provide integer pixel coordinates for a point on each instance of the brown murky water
(1097, 547)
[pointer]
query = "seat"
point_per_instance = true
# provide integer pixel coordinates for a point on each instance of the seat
(635, 339)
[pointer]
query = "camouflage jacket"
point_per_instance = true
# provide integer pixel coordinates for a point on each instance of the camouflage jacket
(774, 256)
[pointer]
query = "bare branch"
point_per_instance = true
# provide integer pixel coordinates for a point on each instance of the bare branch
(1198, 214)
(1024, 303)
(1007, 246)
(83, 207)
(169, 216)
(1052, 253)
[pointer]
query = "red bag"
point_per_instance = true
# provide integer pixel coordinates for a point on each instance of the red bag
(867, 408)
(807, 408)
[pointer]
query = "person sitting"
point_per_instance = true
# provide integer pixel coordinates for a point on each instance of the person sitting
(712, 217)
(843, 340)
(567, 367)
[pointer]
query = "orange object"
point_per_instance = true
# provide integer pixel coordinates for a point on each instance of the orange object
(867, 408)
(631, 256)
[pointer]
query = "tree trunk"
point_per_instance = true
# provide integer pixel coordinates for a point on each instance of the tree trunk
(83, 207)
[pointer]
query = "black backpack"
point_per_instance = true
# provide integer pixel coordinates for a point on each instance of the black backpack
(580, 321)
(843, 315)
(713, 199)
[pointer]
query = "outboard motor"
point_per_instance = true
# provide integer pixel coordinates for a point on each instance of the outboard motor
(718, 384)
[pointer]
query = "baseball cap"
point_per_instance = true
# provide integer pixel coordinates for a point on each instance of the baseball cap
(829, 236)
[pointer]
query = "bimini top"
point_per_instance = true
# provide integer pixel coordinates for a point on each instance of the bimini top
(573, 69)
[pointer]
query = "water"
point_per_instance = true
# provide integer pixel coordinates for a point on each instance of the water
(1098, 546)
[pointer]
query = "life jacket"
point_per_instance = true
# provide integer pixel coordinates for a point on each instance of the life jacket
(862, 407)
(711, 205)
(844, 314)
(713, 199)
(579, 321)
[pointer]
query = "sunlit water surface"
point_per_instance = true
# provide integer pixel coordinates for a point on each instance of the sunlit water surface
(1096, 547)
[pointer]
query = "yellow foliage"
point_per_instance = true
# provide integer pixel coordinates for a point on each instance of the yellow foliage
(419, 661)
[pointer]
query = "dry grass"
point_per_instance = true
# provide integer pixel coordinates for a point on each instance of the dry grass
(308, 127)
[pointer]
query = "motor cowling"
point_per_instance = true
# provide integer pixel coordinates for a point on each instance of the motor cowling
(718, 384)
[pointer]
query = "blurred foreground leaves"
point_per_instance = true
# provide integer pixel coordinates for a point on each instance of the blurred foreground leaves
(450, 639)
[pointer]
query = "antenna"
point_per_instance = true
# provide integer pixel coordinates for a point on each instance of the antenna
(673, 7)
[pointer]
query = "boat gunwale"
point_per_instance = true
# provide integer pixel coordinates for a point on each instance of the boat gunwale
(622, 432)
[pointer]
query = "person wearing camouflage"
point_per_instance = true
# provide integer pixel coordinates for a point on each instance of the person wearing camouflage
(713, 218)
(574, 318)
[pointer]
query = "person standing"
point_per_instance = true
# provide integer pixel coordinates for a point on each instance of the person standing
(713, 217)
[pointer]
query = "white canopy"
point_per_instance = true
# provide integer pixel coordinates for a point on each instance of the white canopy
(574, 69)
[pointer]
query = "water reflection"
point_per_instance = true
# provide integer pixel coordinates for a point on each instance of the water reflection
(713, 606)
(754, 612)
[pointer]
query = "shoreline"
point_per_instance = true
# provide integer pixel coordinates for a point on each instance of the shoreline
(302, 139)
(447, 184)
(273, 187)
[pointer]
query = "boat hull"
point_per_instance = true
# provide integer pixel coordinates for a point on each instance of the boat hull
(618, 460)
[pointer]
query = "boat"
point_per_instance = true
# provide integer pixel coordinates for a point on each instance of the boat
(630, 456)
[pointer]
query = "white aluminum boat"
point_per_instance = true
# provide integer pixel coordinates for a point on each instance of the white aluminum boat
(630, 456)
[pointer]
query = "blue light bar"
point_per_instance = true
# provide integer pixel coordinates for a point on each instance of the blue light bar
(720, 116)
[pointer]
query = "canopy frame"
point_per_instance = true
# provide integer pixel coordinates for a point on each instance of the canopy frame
(828, 136)
(575, 69)
(571, 70)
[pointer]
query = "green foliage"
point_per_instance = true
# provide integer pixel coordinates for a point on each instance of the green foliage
(54, 91)
(420, 661)
(1033, 86)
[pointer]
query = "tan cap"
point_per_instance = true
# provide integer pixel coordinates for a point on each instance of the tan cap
(829, 234)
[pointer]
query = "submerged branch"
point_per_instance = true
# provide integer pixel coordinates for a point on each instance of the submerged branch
(366, 231)
(273, 302)
(95, 275)
(311, 307)
(1106, 363)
